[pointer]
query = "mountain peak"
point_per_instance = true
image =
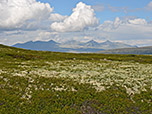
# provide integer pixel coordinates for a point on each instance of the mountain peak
(71, 45)
(108, 41)
(52, 41)
(92, 41)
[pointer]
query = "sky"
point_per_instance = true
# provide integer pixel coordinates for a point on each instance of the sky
(127, 21)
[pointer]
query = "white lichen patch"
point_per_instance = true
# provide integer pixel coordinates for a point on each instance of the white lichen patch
(62, 88)
(2, 71)
(100, 74)
(133, 76)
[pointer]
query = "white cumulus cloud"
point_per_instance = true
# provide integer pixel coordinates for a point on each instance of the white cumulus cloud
(57, 17)
(111, 25)
(138, 21)
(117, 23)
(13, 13)
(127, 30)
(82, 17)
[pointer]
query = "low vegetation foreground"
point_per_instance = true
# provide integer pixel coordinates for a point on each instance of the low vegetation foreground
(36, 82)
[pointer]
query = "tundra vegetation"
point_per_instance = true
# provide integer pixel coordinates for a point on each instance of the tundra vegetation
(41, 82)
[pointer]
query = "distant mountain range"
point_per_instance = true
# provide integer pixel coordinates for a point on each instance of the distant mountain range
(137, 50)
(72, 46)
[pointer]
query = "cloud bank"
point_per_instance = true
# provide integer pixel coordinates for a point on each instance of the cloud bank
(82, 17)
(13, 13)
(57, 17)
(24, 20)
(135, 31)
(110, 26)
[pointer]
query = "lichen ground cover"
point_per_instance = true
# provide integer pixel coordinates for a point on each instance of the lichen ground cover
(68, 84)
(134, 77)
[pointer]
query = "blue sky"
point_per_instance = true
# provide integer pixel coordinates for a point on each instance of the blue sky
(134, 7)
(127, 21)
